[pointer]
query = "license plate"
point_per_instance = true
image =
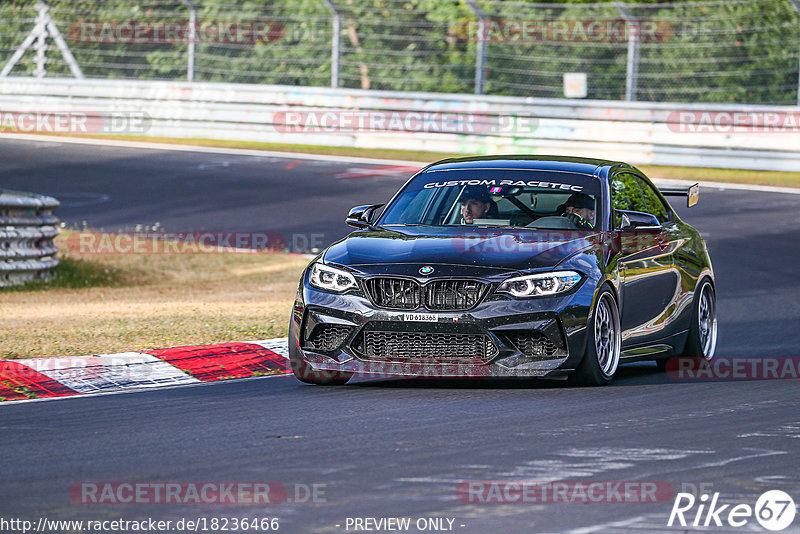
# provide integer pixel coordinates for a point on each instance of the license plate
(423, 317)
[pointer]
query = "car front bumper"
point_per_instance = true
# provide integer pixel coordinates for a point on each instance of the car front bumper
(538, 337)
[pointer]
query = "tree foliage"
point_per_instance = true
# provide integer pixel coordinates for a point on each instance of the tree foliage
(738, 51)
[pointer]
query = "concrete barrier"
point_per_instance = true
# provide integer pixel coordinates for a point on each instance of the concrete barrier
(727, 136)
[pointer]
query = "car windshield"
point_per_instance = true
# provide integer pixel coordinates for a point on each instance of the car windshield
(497, 197)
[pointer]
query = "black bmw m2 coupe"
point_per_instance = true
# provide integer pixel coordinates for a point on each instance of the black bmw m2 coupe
(549, 267)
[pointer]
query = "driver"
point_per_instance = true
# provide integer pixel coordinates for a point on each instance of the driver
(579, 208)
(476, 203)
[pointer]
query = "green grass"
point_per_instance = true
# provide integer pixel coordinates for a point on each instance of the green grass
(107, 303)
(739, 176)
(775, 178)
(380, 153)
(76, 273)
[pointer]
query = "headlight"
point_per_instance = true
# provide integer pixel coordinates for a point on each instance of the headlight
(331, 279)
(540, 284)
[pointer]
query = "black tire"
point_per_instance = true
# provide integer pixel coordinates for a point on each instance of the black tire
(305, 373)
(601, 358)
(701, 342)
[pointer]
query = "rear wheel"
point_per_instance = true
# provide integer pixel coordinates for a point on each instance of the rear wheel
(702, 342)
(702, 338)
(603, 343)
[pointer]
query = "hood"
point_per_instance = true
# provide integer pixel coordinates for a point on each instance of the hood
(480, 251)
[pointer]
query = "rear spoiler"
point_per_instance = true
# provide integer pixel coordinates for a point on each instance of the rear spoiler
(692, 193)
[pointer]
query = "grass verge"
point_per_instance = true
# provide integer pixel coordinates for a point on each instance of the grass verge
(127, 302)
(741, 176)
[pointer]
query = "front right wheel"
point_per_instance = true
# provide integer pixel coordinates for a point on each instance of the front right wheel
(603, 344)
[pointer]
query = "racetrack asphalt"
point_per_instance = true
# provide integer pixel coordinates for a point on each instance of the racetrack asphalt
(400, 448)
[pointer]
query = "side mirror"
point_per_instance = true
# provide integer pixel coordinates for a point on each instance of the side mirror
(692, 193)
(361, 216)
(636, 220)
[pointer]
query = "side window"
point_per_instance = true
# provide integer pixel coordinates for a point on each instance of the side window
(655, 206)
(437, 210)
(625, 195)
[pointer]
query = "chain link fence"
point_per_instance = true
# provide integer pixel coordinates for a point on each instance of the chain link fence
(733, 51)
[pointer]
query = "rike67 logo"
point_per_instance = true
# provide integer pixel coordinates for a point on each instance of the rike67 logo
(774, 510)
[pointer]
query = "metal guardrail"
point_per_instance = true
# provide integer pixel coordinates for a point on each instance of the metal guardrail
(27, 229)
(636, 132)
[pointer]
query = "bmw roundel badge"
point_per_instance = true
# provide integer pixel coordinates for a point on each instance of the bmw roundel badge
(426, 270)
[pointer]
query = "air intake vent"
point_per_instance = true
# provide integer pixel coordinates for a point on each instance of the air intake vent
(533, 344)
(327, 337)
(399, 346)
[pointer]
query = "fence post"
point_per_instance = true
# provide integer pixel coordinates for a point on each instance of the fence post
(190, 64)
(480, 55)
(796, 5)
(335, 42)
(632, 69)
(41, 41)
(44, 26)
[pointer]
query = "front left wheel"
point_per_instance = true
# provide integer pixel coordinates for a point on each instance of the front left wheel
(603, 343)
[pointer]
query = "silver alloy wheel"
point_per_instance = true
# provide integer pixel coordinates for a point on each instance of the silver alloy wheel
(607, 335)
(707, 321)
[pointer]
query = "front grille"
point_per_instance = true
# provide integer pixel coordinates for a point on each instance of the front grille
(533, 344)
(439, 295)
(384, 345)
(395, 293)
(447, 295)
(327, 337)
